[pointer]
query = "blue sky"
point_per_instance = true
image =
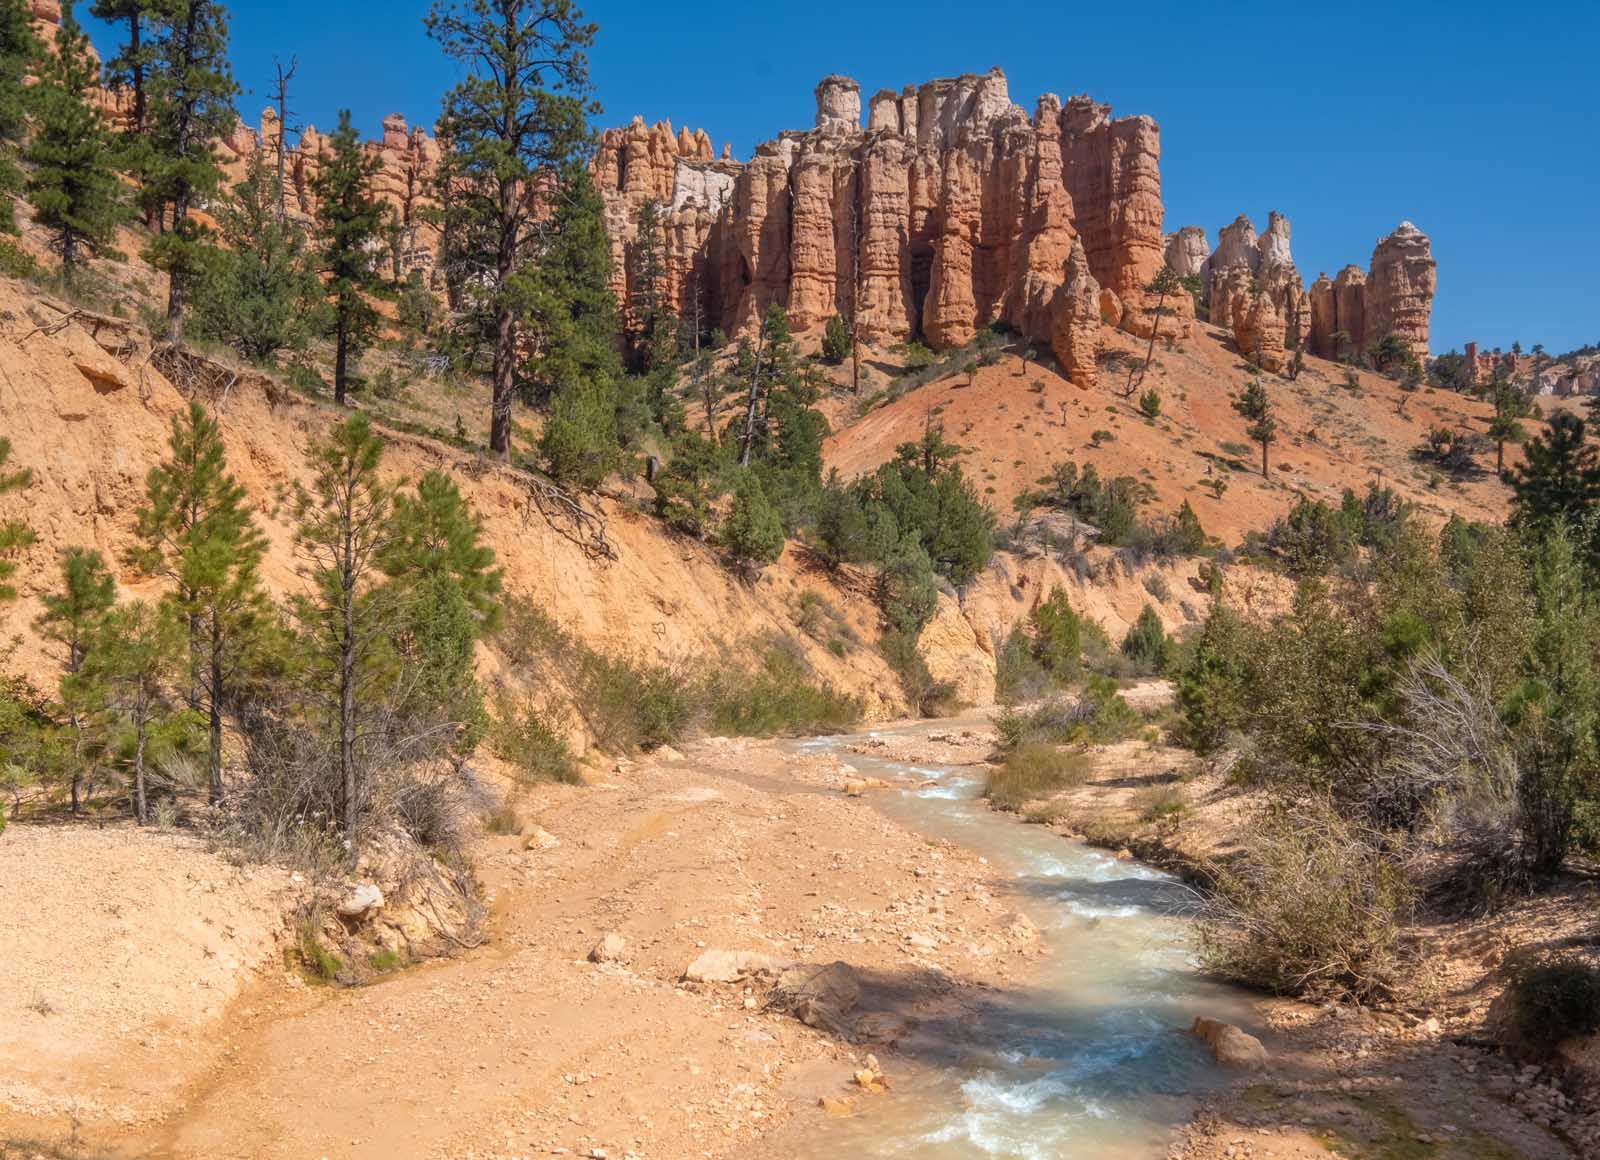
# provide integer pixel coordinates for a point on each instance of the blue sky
(1478, 121)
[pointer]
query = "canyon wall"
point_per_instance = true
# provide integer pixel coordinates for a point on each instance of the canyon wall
(952, 210)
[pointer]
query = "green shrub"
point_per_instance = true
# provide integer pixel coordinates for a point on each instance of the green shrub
(1212, 683)
(929, 696)
(1146, 644)
(1555, 999)
(385, 961)
(1018, 675)
(532, 739)
(1150, 403)
(780, 698)
(836, 340)
(1058, 636)
(1033, 771)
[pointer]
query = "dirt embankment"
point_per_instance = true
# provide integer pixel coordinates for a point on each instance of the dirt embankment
(527, 1046)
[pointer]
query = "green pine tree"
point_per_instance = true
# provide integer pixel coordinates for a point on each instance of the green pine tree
(752, 533)
(569, 318)
(19, 49)
(519, 115)
(129, 68)
(14, 534)
(345, 528)
(1558, 480)
(261, 295)
(197, 530)
(190, 92)
(349, 221)
(73, 188)
(135, 655)
(450, 592)
(1254, 405)
(72, 617)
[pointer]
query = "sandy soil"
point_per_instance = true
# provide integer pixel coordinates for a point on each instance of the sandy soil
(119, 948)
(525, 1047)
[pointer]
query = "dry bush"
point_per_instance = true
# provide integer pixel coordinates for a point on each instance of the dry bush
(1316, 907)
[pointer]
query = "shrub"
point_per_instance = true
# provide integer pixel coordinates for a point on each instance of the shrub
(1158, 802)
(1150, 404)
(1554, 999)
(1146, 644)
(317, 960)
(1057, 636)
(1212, 684)
(836, 340)
(752, 533)
(1018, 675)
(532, 739)
(1033, 771)
(502, 819)
(929, 696)
(1315, 907)
(780, 697)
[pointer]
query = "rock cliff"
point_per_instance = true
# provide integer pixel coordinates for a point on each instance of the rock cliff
(953, 209)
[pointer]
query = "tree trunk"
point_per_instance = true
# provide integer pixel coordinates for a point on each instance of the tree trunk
(214, 755)
(505, 349)
(1150, 351)
(135, 51)
(141, 809)
(341, 345)
(347, 668)
(1264, 474)
(754, 400)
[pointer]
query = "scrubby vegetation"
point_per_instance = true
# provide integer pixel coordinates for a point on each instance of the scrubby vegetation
(1436, 697)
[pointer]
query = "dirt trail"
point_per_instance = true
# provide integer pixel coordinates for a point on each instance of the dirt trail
(525, 1048)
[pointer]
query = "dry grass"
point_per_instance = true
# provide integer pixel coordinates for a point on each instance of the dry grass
(1033, 772)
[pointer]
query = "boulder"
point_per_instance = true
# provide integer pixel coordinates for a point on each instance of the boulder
(820, 997)
(612, 948)
(540, 839)
(725, 966)
(1231, 1046)
(361, 900)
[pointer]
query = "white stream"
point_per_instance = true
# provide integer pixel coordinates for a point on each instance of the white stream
(1092, 1058)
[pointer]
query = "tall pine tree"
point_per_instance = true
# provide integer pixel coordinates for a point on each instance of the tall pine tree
(349, 220)
(190, 94)
(517, 117)
(346, 528)
(197, 530)
(74, 188)
(570, 326)
(19, 48)
(72, 617)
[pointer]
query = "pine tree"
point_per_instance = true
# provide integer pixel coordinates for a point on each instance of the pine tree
(197, 530)
(1146, 644)
(519, 115)
(1510, 406)
(72, 617)
(836, 340)
(261, 295)
(14, 534)
(1255, 406)
(74, 188)
(346, 528)
(1558, 480)
(449, 598)
(569, 319)
(190, 93)
(752, 533)
(135, 654)
(349, 220)
(88, 590)
(647, 278)
(130, 68)
(19, 48)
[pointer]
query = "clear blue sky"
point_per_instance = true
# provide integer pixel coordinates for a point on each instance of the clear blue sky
(1480, 121)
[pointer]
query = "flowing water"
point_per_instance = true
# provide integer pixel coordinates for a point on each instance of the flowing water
(1092, 1059)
